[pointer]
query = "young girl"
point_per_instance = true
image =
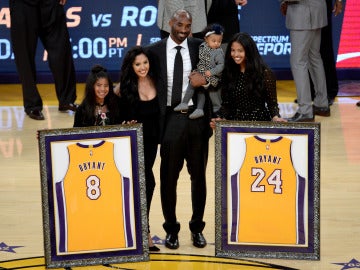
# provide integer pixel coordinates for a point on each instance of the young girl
(211, 64)
(248, 84)
(100, 105)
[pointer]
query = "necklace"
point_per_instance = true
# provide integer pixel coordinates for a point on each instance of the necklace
(100, 108)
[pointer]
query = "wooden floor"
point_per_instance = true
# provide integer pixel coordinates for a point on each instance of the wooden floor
(21, 228)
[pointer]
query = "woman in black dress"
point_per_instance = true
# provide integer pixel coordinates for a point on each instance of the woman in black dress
(248, 84)
(139, 103)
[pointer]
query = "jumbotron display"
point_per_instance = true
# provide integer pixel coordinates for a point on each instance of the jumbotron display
(102, 34)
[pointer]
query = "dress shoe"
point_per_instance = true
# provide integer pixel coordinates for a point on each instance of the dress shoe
(198, 240)
(298, 117)
(322, 111)
(154, 249)
(36, 114)
(68, 107)
(172, 241)
(331, 101)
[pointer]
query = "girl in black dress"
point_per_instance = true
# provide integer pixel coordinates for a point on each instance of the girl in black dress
(249, 85)
(100, 105)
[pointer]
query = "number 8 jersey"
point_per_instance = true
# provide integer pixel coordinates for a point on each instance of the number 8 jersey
(267, 195)
(93, 201)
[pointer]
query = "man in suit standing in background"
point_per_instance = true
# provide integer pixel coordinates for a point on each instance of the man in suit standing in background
(45, 20)
(197, 8)
(225, 13)
(304, 19)
(182, 139)
(327, 50)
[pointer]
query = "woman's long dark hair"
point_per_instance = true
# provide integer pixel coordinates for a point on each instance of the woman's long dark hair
(89, 102)
(254, 71)
(128, 78)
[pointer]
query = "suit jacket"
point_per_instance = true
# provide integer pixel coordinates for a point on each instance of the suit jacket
(225, 13)
(306, 15)
(157, 57)
(197, 8)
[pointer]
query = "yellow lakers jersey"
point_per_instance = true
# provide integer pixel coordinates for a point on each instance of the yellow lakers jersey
(91, 198)
(267, 194)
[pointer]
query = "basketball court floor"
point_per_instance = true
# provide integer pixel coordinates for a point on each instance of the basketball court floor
(21, 225)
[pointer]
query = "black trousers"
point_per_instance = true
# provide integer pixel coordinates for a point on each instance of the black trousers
(44, 20)
(327, 55)
(150, 151)
(184, 140)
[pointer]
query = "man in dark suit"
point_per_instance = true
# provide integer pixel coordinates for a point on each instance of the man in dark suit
(45, 20)
(225, 13)
(182, 139)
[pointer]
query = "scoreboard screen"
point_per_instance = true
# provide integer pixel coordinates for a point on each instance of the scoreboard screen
(102, 33)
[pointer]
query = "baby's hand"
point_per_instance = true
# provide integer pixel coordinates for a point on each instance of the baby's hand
(208, 73)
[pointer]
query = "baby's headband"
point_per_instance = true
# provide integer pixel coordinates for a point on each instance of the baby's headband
(215, 29)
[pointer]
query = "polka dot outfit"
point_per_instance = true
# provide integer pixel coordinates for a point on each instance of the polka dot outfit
(242, 105)
(206, 57)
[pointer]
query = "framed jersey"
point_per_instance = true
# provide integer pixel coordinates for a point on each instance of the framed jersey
(268, 183)
(93, 195)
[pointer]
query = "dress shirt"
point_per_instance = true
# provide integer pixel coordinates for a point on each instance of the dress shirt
(170, 56)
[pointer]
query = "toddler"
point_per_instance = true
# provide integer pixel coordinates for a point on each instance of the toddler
(211, 64)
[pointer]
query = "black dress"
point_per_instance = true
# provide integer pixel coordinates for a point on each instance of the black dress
(84, 119)
(147, 113)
